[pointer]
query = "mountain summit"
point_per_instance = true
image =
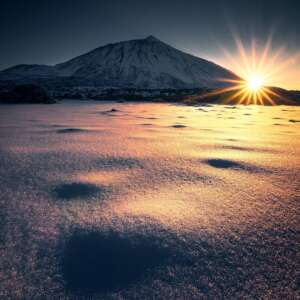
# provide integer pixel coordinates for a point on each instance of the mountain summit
(140, 63)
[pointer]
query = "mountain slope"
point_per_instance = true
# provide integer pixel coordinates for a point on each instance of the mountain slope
(143, 63)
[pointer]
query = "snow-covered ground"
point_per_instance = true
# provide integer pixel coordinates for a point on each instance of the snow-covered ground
(149, 201)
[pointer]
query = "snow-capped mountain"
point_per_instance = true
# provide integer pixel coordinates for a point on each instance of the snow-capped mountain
(141, 63)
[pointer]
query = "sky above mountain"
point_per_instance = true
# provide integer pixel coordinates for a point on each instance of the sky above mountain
(49, 32)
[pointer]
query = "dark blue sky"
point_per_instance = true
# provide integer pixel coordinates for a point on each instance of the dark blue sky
(48, 32)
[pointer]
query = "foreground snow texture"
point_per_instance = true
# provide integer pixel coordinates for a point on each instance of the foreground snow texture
(149, 201)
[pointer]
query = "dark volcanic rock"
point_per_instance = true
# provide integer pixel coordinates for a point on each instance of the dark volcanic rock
(25, 93)
(70, 130)
(178, 126)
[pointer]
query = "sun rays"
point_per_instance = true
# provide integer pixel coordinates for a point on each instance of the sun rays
(248, 91)
(257, 69)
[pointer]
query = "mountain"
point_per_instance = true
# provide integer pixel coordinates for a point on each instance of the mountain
(142, 63)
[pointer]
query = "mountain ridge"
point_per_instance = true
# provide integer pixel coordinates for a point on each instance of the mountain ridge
(138, 63)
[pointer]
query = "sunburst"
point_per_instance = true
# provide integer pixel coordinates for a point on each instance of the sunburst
(256, 70)
(248, 91)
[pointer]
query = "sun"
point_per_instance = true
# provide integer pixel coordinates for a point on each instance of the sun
(256, 69)
(251, 90)
(248, 90)
(255, 82)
